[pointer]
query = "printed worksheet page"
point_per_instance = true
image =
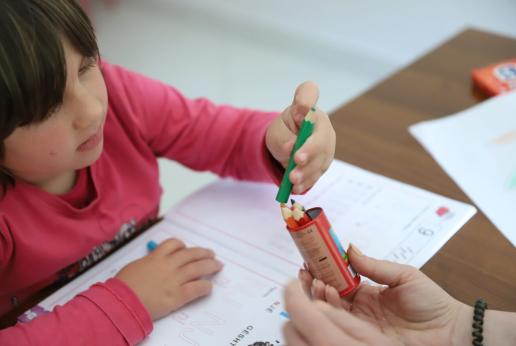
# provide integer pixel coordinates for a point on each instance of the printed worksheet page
(242, 223)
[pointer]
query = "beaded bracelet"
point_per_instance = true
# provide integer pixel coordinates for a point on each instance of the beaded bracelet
(478, 322)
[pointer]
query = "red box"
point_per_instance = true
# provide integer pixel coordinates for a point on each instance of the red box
(496, 78)
(322, 252)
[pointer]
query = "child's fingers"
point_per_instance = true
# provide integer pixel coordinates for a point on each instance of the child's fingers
(193, 290)
(316, 158)
(168, 246)
(323, 135)
(305, 97)
(305, 177)
(289, 122)
(306, 184)
(286, 149)
(192, 254)
(198, 269)
(304, 161)
(322, 140)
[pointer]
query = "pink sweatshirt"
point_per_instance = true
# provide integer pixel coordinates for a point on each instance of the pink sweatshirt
(46, 238)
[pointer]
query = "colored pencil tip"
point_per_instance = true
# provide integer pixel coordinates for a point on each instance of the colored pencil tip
(286, 212)
(151, 245)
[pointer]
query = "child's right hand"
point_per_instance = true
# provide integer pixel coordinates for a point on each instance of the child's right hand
(171, 276)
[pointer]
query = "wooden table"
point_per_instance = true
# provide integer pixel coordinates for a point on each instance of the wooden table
(372, 133)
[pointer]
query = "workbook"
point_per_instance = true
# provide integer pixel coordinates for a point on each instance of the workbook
(242, 223)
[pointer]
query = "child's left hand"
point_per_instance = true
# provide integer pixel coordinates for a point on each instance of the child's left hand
(315, 156)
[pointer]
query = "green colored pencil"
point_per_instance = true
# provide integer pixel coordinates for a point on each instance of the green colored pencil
(307, 127)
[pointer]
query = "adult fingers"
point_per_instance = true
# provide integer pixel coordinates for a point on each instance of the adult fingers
(292, 336)
(317, 290)
(306, 279)
(306, 318)
(380, 271)
(333, 298)
(347, 323)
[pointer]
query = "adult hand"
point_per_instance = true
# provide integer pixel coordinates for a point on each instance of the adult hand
(410, 310)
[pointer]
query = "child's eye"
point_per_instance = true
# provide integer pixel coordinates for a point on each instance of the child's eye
(88, 64)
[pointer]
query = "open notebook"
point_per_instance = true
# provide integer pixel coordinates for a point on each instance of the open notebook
(243, 224)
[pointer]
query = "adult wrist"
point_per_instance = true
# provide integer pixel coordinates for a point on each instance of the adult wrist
(461, 333)
(499, 328)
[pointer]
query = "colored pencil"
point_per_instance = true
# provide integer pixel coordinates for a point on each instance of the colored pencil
(307, 127)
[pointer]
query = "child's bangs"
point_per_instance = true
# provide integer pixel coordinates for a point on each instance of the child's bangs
(32, 60)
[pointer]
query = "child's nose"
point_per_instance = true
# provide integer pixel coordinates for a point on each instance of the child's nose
(89, 115)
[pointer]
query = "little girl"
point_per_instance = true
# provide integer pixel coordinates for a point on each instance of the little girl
(79, 140)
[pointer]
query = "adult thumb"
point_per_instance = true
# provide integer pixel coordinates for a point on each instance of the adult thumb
(380, 271)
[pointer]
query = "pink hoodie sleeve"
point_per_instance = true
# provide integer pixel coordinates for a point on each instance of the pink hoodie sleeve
(106, 314)
(197, 133)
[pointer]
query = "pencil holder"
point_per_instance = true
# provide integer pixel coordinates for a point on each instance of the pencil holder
(322, 252)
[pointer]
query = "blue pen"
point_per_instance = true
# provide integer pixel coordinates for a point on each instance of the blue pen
(151, 245)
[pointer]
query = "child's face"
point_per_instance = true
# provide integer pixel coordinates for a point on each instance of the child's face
(69, 139)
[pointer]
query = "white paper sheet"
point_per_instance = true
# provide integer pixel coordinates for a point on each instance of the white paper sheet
(477, 148)
(243, 224)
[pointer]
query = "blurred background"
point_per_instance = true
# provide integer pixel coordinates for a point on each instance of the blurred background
(255, 53)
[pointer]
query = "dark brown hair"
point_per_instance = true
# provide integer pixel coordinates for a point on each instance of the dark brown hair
(32, 61)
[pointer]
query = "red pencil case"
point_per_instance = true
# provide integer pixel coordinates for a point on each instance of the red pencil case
(496, 78)
(322, 252)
